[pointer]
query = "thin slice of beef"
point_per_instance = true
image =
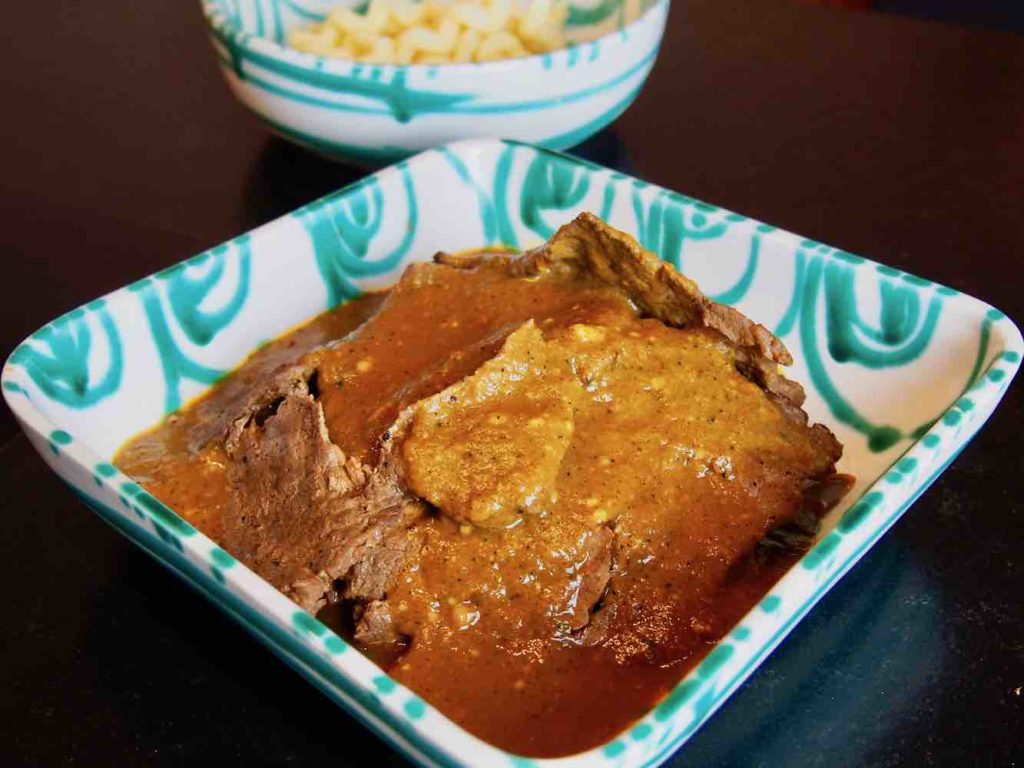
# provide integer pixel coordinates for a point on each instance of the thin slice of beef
(223, 419)
(372, 530)
(374, 625)
(589, 246)
(304, 516)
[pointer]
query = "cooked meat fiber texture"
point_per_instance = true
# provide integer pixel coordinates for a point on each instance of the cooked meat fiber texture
(585, 442)
(305, 517)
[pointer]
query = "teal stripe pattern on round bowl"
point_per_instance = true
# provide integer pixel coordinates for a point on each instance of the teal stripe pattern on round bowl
(903, 369)
(370, 114)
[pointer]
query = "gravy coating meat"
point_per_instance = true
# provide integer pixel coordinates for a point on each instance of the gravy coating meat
(521, 483)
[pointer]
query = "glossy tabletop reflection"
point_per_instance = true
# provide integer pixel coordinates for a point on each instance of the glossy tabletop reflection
(899, 140)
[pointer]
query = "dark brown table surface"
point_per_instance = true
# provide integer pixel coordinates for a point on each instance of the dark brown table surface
(900, 140)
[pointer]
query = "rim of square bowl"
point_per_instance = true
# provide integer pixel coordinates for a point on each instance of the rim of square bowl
(219, 22)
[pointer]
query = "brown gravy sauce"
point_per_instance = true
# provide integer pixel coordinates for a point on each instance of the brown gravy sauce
(526, 694)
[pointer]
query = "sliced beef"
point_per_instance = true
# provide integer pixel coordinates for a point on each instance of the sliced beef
(322, 526)
(587, 245)
(304, 516)
(657, 289)
(376, 565)
(374, 625)
(222, 419)
(293, 380)
(787, 395)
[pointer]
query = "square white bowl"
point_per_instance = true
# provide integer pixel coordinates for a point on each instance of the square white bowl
(903, 370)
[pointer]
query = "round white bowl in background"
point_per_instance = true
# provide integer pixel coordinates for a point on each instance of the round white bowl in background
(372, 114)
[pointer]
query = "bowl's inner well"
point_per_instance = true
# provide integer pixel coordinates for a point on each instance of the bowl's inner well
(588, 19)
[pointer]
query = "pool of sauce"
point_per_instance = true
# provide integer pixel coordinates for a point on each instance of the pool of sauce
(486, 652)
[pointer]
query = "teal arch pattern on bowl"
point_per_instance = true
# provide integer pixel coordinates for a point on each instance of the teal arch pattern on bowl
(371, 114)
(905, 370)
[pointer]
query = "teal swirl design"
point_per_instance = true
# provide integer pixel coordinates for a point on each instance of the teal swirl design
(905, 329)
(789, 317)
(273, 18)
(502, 179)
(493, 203)
(488, 211)
(670, 220)
(268, 15)
(268, 19)
(341, 230)
(551, 183)
(585, 16)
(400, 100)
(394, 97)
(186, 292)
(900, 337)
(300, 10)
(608, 200)
(577, 135)
(984, 339)
(742, 286)
(57, 358)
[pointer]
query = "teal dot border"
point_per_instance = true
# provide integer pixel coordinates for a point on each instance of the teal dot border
(58, 439)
